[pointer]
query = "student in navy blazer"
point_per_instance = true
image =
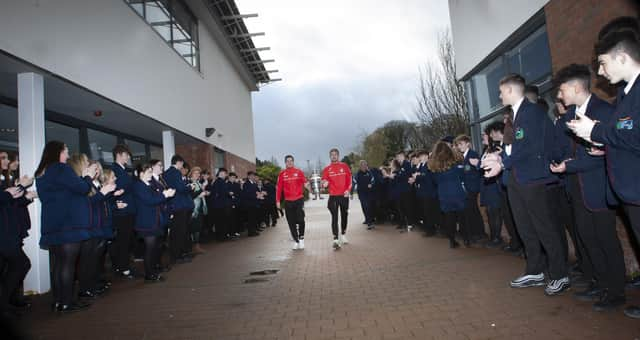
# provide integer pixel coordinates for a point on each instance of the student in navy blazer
(528, 159)
(220, 202)
(250, 199)
(427, 195)
(181, 208)
(365, 183)
(123, 219)
(14, 199)
(448, 173)
(65, 220)
(151, 218)
(589, 189)
(472, 182)
(491, 198)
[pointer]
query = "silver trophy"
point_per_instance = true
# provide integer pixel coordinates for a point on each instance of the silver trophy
(316, 185)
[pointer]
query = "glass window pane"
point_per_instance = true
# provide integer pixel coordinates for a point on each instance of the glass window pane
(156, 12)
(183, 48)
(138, 151)
(63, 133)
(487, 93)
(100, 146)
(164, 31)
(155, 152)
(536, 58)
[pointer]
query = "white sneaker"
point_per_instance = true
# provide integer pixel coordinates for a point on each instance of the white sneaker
(296, 246)
(301, 244)
(343, 239)
(336, 244)
(409, 227)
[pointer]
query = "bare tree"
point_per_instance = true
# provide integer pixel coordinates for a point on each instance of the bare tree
(441, 101)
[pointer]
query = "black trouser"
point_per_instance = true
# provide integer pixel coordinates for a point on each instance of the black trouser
(101, 250)
(335, 204)
(405, 208)
(450, 220)
(272, 213)
(15, 265)
(222, 219)
(473, 219)
(295, 218)
(122, 242)
(533, 218)
(563, 217)
(507, 216)
(87, 265)
(179, 233)
(253, 215)
(597, 232)
(367, 208)
(64, 267)
(494, 215)
(151, 255)
(430, 211)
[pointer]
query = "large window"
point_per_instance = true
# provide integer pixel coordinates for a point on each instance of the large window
(485, 86)
(69, 135)
(174, 22)
(101, 145)
(138, 151)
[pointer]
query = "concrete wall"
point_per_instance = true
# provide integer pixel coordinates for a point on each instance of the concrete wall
(105, 46)
(479, 26)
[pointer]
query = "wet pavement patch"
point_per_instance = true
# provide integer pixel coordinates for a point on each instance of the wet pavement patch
(265, 272)
(256, 280)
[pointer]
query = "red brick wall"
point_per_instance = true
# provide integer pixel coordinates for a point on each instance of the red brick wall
(572, 27)
(202, 155)
(197, 154)
(238, 164)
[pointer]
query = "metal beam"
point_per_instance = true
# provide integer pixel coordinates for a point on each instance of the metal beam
(245, 35)
(265, 71)
(255, 49)
(239, 16)
(260, 61)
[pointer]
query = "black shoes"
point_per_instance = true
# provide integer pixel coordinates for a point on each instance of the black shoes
(495, 243)
(87, 294)
(155, 278)
(632, 312)
(74, 307)
(590, 294)
(125, 274)
(453, 244)
(608, 302)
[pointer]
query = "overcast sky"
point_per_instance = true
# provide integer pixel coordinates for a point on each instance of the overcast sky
(347, 68)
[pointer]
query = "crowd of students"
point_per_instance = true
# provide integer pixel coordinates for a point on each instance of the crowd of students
(90, 214)
(537, 177)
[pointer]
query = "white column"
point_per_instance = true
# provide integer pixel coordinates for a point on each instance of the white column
(30, 146)
(168, 147)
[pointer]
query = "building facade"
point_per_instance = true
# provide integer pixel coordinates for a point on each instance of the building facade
(158, 75)
(534, 38)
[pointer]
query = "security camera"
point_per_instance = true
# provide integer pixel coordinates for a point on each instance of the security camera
(209, 132)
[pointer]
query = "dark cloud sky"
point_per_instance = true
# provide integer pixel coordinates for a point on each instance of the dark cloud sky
(348, 67)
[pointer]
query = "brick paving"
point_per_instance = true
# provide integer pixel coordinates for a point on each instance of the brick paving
(383, 285)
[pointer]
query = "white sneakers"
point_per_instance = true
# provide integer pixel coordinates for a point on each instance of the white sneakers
(336, 244)
(295, 246)
(343, 239)
(301, 244)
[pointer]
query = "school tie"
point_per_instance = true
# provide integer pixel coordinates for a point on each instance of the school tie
(509, 133)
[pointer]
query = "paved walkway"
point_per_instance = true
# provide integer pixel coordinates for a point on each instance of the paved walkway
(383, 285)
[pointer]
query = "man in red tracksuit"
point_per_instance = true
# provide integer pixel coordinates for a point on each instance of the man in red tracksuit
(291, 182)
(337, 177)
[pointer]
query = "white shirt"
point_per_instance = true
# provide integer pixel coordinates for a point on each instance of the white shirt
(515, 107)
(464, 155)
(630, 83)
(583, 109)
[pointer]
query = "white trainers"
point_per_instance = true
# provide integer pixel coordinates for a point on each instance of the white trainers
(295, 246)
(336, 244)
(555, 287)
(528, 281)
(343, 239)
(301, 244)
(409, 227)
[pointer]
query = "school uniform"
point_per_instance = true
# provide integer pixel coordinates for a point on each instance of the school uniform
(123, 219)
(589, 189)
(365, 182)
(527, 160)
(89, 251)
(220, 202)
(251, 203)
(151, 220)
(491, 198)
(452, 199)
(427, 196)
(405, 200)
(181, 208)
(472, 181)
(237, 213)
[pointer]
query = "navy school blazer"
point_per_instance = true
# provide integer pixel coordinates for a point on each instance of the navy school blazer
(621, 136)
(151, 218)
(451, 194)
(532, 146)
